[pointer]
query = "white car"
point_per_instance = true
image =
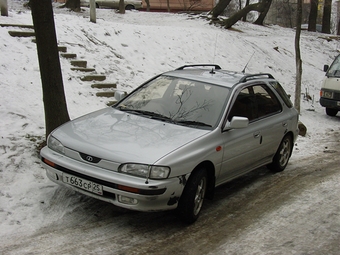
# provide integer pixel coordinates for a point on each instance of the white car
(172, 140)
(129, 4)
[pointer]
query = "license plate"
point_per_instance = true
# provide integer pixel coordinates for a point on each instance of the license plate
(83, 184)
(338, 103)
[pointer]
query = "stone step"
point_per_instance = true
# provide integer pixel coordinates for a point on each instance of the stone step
(68, 55)
(104, 85)
(82, 69)
(110, 103)
(21, 33)
(62, 48)
(79, 63)
(105, 94)
(93, 78)
(17, 25)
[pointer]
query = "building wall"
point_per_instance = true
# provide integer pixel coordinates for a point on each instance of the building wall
(181, 5)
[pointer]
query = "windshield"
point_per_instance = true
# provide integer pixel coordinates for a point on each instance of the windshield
(334, 70)
(179, 101)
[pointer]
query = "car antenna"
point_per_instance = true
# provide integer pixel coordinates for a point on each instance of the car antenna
(244, 69)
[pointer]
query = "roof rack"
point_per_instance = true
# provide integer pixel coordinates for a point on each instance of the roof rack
(185, 66)
(254, 76)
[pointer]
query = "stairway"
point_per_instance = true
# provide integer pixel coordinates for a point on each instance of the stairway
(105, 89)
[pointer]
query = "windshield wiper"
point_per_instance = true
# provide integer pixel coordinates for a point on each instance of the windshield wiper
(153, 115)
(193, 123)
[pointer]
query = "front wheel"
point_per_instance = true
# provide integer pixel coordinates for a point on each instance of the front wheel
(331, 112)
(282, 155)
(191, 201)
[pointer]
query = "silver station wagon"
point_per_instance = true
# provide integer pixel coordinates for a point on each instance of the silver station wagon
(172, 140)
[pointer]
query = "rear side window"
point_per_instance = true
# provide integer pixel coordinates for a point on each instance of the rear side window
(277, 86)
(255, 102)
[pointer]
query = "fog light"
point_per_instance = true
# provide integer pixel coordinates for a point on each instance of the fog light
(127, 200)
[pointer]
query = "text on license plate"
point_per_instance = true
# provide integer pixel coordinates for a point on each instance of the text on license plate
(83, 184)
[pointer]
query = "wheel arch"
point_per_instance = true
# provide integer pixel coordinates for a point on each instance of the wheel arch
(210, 168)
(130, 7)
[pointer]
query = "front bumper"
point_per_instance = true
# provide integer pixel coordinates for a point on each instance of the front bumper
(149, 195)
(330, 103)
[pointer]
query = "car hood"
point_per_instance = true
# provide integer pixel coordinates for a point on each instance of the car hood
(123, 137)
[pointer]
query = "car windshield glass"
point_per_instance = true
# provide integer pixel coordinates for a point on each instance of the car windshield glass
(334, 70)
(179, 101)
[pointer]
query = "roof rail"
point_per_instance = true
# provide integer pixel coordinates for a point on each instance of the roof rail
(254, 76)
(185, 66)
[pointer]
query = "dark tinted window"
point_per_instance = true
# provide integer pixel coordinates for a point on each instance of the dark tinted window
(282, 93)
(255, 102)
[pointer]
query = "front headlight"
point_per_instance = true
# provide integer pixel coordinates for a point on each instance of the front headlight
(55, 145)
(147, 171)
(327, 94)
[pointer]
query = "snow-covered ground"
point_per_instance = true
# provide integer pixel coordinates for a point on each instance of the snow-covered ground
(130, 49)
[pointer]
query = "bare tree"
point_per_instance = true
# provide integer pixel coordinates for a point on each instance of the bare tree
(121, 7)
(147, 5)
(51, 78)
(263, 13)
(219, 8)
(245, 16)
(326, 18)
(260, 7)
(313, 15)
(4, 7)
(298, 60)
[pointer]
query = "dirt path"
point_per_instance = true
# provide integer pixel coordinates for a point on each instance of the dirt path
(293, 212)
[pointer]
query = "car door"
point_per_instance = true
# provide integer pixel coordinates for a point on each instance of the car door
(248, 148)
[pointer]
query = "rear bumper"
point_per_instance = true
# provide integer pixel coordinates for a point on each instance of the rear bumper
(148, 195)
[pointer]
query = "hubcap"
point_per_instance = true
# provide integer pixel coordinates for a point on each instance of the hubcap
(284, 152)
(200, 192)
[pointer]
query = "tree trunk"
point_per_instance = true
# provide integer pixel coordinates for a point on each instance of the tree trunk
(313, 15)
(326, 18)
(121, 7)
(168, 5)
(266, 5)
(147, 5)
(93, 17)
(298, 60)
(74, 5)
(228, 23)
(245, 16)
(51, 78)
(219, 8)
(4, 8)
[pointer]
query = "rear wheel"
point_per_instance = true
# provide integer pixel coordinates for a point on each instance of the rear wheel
(129, 7)
(191, 201)
(282, 155)
(331, 112)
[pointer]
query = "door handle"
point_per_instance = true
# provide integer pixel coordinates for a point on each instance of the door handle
(256, 134)
(285, 124)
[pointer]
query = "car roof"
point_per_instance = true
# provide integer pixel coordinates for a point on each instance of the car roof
(214, 75)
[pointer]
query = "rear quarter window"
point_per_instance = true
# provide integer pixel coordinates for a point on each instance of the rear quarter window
(277, 86)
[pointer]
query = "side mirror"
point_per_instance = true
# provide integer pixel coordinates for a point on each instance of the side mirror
(237, 123)
(325, 68)
(119, 95)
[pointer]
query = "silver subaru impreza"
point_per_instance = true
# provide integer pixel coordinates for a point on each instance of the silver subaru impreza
(175, 138)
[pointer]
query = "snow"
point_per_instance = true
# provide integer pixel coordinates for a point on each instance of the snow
(129, 49)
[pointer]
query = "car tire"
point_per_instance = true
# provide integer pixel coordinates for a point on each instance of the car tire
(282, 155)
(331, 112)
(129, 7)
(191, 201)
